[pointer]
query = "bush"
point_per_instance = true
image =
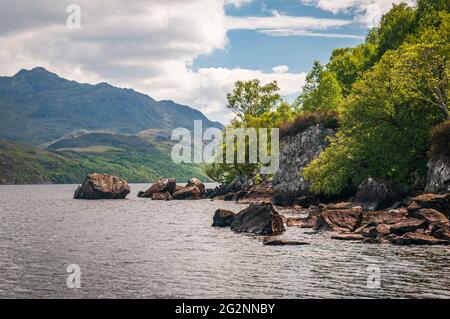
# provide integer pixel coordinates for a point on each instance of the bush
(328, 119)
(440, 141)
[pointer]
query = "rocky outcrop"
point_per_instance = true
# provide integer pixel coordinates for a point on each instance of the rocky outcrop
(309, 222)
(441, 203)
(188, 192)
(339, 220)
(374, 194)
(165, 185)
(102, 186)
(222, 218)
(296, 152)
(260, 219)
(438, 176)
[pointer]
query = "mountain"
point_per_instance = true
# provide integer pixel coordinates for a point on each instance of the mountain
(37, 106)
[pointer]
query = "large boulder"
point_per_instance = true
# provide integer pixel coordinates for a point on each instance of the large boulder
(341, 221)
(162, 196)
(188, 192)
(102, 186)
(296, 152)
(438, 176)
(164, 185)
(222, 218)
(441, 203)
(260, 219)
(374, 194)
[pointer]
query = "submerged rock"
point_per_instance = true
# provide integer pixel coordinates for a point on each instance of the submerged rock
(160, 186)
(260, 219)
(349, 237)
(102, 186)
(222, 218)
(280, 242)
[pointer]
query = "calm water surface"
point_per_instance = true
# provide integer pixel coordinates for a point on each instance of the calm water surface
(138, 248)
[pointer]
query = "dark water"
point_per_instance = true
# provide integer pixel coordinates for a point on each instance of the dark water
(141, 248)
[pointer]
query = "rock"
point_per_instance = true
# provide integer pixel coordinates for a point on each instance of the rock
(188, 192)
(196, 182)
(438, 176)
(440, 231)
(160, 186)
(102, 186)
(162, 196)
(296, 152)
(222, 218)
(408, 225)
(339, 220)
(260, 219)
(417, 238)
(384, 217)
(308, 222)
(375, 194)
(430, 215)
(229, 197)
(349, 237)
(224, 189)
(441, 203)
(256, 193)
(280, 242)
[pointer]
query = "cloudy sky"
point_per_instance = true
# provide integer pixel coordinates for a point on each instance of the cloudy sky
(189, 51)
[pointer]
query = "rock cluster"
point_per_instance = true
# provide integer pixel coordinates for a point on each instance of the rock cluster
(167, 189)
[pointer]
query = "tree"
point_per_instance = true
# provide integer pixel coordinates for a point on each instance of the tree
(252, 98)
(322, 91)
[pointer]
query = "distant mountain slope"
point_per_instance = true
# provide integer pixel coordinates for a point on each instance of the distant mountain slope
(38, 106)
(129, 157)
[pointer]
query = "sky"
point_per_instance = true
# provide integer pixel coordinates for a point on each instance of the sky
(188, 51)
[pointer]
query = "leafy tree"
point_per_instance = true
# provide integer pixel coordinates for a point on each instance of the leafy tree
(252, 98)
(322, 91)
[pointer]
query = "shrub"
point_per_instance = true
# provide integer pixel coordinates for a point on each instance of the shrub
(440, 141)
(328, 119)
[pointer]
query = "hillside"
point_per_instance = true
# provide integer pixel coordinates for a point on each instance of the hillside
(130, 157)
(38, 106)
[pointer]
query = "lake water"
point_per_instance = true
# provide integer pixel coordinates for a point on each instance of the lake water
(139, 248)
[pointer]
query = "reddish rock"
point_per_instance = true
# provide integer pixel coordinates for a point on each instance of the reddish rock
(198, 183)
(307, 222)
(339, 220)
(280, 242)
(222, 218)
(191, 192)
(441, 203)
(408, 225)
(260, 219)
(384, 217)
(430, 215)
(440, 231)
(160, 186)
(417, 238)
(349, 237)
(102, 186)
(162, 196)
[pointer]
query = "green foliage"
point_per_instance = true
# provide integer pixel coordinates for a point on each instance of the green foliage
(252, 98)
(391, 108)
(328, 119)
(322, 91)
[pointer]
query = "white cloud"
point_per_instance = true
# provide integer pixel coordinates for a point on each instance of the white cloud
(280, 69)
(366, 12)
(146, 45)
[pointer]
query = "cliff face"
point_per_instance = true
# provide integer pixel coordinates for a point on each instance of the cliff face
(296, 152)
(438, 177)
